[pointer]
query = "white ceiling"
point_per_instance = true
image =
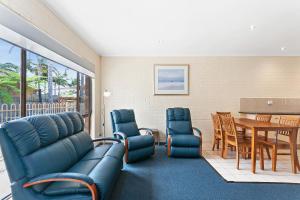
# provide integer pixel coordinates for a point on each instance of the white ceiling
(184, 27)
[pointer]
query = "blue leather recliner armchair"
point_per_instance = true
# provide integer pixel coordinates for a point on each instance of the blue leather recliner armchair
(181, 141)
(50, 157)
(137, 146)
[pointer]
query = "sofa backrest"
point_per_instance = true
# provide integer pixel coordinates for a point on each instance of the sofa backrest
(179, 121)
(43, 144)
(124, 121)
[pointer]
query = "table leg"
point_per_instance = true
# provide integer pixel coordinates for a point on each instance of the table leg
(253, 149)
(293, 149)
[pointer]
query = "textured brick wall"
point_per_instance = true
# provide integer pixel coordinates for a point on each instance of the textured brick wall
(216, 83)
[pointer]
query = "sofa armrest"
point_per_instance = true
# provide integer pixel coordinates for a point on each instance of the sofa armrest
(120, 134)
(106, 138)
(75, 176)
(148, 130)
(71, 177)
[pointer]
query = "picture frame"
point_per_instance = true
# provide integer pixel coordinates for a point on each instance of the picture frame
(171, 79)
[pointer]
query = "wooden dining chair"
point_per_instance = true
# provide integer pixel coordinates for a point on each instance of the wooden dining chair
(264, 118)
(218, 133)
(234, 138)
(226, 114)
(276, 143)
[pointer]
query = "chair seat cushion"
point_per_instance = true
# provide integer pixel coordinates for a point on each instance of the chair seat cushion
(97, 153)
(141, 141)
(185, 141)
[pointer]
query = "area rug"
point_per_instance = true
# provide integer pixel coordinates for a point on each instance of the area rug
(162, 178)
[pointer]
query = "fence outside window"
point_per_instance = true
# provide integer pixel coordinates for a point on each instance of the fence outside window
(12, 111)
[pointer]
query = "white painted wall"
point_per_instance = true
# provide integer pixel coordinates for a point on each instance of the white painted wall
(216, 83)
(41, 17)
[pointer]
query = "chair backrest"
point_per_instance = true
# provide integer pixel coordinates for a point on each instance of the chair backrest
(216, 122)
(43, 144)
(229, 128)
(263, 118)
(179, 121)
(123, 120)
(227, 114)
(288, 120)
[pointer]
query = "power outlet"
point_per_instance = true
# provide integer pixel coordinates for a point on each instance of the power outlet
(270, 102)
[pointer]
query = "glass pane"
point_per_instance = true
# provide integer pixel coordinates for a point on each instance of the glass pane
(10, 62)
(51, 87)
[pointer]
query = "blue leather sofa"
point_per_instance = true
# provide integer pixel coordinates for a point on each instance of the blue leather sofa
(137, 146)
(181, 140)
(50, 157)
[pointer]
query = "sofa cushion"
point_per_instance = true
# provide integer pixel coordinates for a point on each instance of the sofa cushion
(68, 122)
(140, 141)
(46, 127)
(185, 141)
(84, 166)
(82, 143)
(23, 136)
(97, 153)
(76, 120)
(61, 126)
(117, 151)
(56, 157)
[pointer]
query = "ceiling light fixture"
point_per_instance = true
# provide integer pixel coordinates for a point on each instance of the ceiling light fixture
(282, 48)
(252, 27)
(160, 41)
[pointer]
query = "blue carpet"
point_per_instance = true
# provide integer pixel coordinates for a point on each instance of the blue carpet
(164, 178)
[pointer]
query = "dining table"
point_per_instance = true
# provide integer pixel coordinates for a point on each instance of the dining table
(256, 126)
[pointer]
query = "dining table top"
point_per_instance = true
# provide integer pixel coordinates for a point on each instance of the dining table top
(252, 123)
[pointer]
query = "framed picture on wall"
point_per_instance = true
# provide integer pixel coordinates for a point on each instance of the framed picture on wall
(171, 79)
